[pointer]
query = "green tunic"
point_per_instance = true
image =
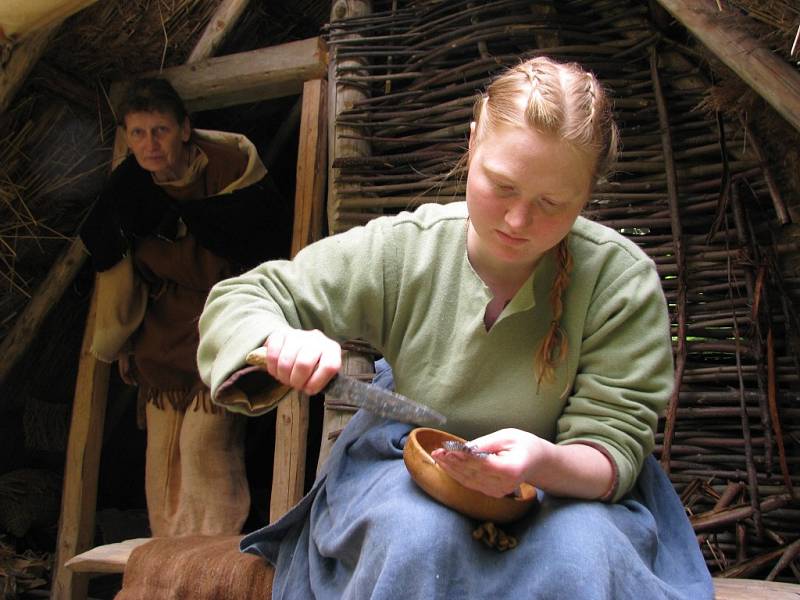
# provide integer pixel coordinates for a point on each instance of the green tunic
(405, 285)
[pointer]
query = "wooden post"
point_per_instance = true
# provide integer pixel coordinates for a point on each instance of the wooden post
(311, 172)
(79, 496)
(342, 98)
(291, 430)
(291, 439)
(768, 74)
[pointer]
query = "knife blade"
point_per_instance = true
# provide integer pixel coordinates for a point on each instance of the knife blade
(377, 400)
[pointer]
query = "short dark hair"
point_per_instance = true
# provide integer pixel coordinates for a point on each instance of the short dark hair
(151, 95)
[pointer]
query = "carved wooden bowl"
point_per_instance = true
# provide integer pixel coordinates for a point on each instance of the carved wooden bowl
(439, 485)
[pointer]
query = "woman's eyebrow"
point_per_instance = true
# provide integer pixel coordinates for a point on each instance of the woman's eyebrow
(498, 174)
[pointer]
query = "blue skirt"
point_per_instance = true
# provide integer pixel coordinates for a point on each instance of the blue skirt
(366, 530)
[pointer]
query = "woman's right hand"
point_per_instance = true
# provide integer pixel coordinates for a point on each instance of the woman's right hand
(303, 360)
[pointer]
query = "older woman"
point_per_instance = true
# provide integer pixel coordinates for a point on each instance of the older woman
(186, 209)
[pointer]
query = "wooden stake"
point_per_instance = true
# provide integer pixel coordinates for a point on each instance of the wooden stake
(27, 325)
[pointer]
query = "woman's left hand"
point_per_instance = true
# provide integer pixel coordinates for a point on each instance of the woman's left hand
(513, 457)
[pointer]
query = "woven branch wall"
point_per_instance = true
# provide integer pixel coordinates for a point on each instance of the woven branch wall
(692, 193)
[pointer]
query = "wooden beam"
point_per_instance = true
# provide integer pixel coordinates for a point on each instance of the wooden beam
(221, 23)
(28, 323)
(23, 58)
(764, 71)
(272, 72)
(291, 429)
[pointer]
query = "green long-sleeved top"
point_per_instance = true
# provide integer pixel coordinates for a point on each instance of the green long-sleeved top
(405, 285)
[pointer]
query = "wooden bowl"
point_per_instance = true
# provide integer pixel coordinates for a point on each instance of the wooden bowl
(438, 484)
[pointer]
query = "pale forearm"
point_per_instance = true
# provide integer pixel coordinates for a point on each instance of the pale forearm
(572, 470)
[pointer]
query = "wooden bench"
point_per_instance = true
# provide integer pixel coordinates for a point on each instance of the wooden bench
(113, 557)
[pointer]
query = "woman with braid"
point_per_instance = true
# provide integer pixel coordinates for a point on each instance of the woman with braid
(544, 338)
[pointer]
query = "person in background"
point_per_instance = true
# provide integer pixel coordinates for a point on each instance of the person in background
(544, 338)
(186, 209)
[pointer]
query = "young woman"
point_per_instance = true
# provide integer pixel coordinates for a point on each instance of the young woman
(177, 216)
(542, 336)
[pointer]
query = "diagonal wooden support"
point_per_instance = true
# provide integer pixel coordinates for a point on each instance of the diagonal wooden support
(768, 74)
(23, 58)
(219, 25)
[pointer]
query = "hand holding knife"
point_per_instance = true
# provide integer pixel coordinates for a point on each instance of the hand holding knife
(369, 397)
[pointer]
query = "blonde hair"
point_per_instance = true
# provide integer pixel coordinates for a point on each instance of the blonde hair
(565, 100)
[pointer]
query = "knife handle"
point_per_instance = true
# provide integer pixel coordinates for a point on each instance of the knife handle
(257, 357)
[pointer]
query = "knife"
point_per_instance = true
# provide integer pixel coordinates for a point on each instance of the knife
(377, 400)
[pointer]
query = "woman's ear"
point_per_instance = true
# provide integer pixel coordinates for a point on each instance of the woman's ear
(471, 134)
(186, 130)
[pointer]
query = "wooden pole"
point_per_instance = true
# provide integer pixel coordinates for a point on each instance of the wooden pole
(343, 97)
(764, 71)
(311, 172)
(291, 431)
(79, 495)
(677, 243)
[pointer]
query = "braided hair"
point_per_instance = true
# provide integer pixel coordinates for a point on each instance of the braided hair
(565, 100)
